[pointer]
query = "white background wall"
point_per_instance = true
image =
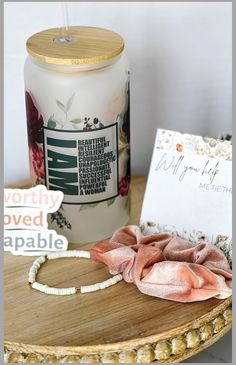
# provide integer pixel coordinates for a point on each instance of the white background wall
(180, 58)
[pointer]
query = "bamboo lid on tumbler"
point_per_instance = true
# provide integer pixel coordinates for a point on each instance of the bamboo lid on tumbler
(89, 45)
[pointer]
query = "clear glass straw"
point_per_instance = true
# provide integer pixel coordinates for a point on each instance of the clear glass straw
(64, 36)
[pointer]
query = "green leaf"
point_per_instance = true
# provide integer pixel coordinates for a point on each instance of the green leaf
(51, 124)
(120, 115)
(76, 121)
(110, 202)
(69, 102)
(87, 206)
(61, 106)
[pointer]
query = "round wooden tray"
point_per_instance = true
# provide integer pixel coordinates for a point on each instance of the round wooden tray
(119, 324)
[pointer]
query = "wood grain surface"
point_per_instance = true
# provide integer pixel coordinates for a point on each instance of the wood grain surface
(90, 45)
(114, 320)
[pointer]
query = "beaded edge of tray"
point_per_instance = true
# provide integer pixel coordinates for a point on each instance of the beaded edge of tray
(172, 349)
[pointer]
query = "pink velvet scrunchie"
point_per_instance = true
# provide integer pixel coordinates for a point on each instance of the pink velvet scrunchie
(166, 266)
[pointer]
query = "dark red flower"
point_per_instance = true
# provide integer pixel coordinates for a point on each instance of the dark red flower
(124, 186)
(35, 135)
(34, 122)
(38, 161)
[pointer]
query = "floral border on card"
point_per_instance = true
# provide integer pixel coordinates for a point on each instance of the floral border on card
(197, 145)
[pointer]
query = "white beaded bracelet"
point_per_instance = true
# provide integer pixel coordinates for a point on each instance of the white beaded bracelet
(66, 291)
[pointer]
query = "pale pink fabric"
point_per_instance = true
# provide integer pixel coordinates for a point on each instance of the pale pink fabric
(166, 266)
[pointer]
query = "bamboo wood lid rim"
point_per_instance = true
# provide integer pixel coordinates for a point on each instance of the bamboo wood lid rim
(90, 45)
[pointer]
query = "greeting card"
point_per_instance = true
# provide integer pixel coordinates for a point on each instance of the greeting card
(189, 189)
